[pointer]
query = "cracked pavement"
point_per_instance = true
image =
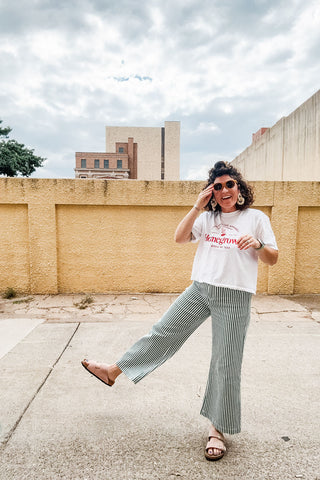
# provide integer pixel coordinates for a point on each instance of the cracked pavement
(58, 422)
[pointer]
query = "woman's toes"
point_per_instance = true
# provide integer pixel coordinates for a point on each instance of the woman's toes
(214, 451)
(99, 370)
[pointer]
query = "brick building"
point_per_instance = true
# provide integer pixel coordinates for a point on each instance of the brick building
(119, 165)
(143, 153)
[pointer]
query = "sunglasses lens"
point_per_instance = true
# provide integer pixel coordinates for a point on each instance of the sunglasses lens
(230, 183)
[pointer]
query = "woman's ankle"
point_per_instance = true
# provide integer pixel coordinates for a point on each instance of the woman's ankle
(114, 371)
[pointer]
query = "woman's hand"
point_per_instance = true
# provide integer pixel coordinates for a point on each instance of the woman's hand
(267, 254)
(248, 241)
(204, 197)
(184, 229)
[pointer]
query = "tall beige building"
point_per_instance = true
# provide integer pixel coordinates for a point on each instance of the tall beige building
(288, 151)
(158, 149)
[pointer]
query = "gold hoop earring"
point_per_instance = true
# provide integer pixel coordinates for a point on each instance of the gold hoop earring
(240, 200)
(213, 203)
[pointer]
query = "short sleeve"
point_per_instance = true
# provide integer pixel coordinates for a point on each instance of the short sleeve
(197, 228)
(265, 232)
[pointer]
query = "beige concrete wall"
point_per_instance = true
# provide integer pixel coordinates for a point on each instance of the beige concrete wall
(289, 151)
(67, 235)
(149, 148)
(172, 151)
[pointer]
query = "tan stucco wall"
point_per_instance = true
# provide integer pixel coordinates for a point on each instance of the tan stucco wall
(14, 243)
(63, 236)
(289, 151)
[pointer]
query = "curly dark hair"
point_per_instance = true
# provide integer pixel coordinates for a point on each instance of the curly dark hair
(225, 168)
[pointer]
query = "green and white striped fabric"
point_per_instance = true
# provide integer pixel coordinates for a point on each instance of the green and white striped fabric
(230, 313)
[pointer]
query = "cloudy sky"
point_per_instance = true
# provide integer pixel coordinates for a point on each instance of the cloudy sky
(224, 68)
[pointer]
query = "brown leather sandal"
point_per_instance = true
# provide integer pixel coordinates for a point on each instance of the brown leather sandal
(212, 444)
(85, 364)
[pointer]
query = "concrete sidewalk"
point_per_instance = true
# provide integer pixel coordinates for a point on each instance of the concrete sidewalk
(58, 422)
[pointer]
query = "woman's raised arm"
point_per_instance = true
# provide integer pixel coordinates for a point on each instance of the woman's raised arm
(184, 229)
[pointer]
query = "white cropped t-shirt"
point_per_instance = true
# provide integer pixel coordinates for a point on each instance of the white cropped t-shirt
(218, 260)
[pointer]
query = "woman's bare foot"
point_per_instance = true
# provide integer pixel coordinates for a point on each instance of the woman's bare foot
(106, 373)
(215, 448)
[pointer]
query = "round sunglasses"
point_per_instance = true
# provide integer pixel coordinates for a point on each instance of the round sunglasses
(229, 184)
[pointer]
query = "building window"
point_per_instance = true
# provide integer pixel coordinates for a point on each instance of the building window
(83, 163)
(119, 163)
(106, 163)
(83, 176)
(121, 149)
(97, 164)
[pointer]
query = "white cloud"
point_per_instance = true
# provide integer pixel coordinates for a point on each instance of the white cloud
(207, 127)
(223, 69)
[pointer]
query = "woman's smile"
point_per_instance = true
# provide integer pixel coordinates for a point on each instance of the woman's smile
(226, 197)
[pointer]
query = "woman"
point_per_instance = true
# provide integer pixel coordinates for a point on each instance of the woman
(232, 237)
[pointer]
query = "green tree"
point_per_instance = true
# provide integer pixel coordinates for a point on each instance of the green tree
(16, 158)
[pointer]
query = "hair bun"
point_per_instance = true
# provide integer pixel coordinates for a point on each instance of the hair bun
(222, 164)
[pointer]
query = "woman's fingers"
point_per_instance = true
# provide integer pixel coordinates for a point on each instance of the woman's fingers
(247, 241)
(204, 196)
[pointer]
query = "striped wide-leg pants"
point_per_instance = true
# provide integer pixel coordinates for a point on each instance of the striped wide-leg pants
(230, 313)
